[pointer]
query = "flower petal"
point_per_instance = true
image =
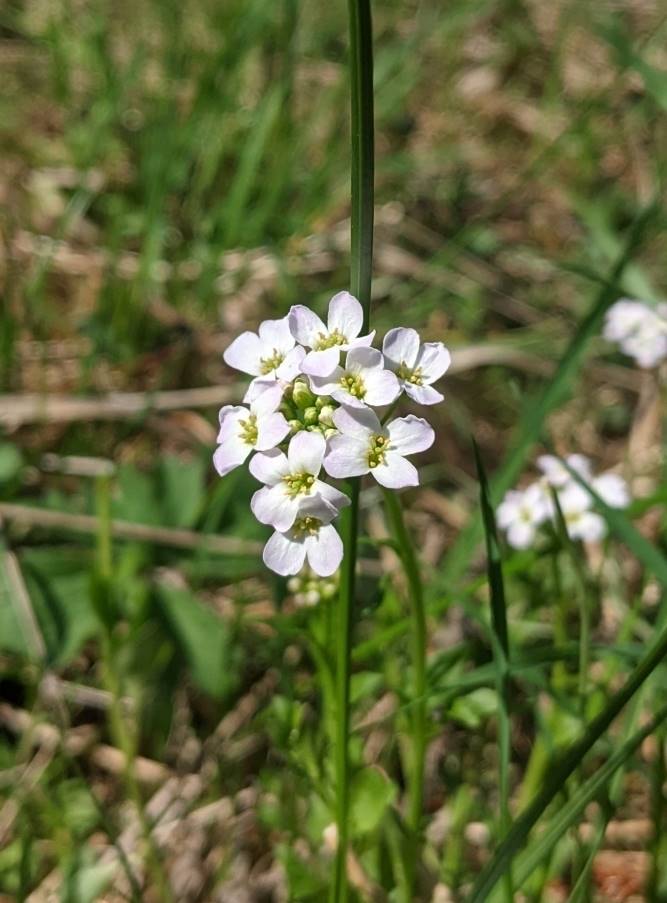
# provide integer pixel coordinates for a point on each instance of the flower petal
(316, 506)
(423, 394)
(612, 489)
(244, 353)
(324, 551)
(396, 472)
(271, 505)
(410, 434)
(362, 358)
(306, 451)
(229, 454)
(275, 335)
(346, 457)
(589, 526)
(291, 366)
(361, 341)
(401, 345)
(321, 363)
(382, 387)
(330, 494)
(346, 315)
(325, 385)
(283, 555)
(520, 534)
(259, 385)
(269, 466)
(434, 359)
(268, 400)
(305, 325)
(361, 423)
(271, 430)
(342, 396)
(229, 417)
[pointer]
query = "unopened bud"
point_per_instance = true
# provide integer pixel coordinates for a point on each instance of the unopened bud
(326, 414)
(295, 425)
(302, 396)
(310, 416)
(294, 584)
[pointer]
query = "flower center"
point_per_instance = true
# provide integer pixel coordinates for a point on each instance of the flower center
(248, 431)
(307, 526)
(298, 484)
(322, 342)
(377, 452)
(269, 364)
(353, 384)
(410, 374)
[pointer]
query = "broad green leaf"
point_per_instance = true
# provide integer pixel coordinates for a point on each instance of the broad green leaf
(182, 490)
(370, 795)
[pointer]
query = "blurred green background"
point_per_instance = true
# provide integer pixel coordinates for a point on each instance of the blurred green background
(170, 174)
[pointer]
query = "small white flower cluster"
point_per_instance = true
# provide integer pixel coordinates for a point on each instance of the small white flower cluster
(306, 410)
(639, 329)
(307, 589)
(523, 511)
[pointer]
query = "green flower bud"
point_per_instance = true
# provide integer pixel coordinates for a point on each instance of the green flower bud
(310, 416)
(326, 413)
(303, 397)
(295, 425)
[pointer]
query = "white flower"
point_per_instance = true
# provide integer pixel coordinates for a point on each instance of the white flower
(580, 521)
(291, 478)
(269, 355)
(416, 365)
(364, 445)
(639, 329)
(557, 474)
(363, 380)
(521, 513)
(242, 429)
(311, 537)
(344, 323)
(612, 489)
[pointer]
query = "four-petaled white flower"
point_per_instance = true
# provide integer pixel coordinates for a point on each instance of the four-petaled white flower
(557, 474)
(311, 537)
(268, 355)
(580, 521)
(416, 365)
(364, 445)
(289, 479)
(363, 381)
(639, 329)
(522, 512)
(242, 430)
(344, 323)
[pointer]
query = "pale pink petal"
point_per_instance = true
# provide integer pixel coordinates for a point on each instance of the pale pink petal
(283, 555)
(346, 457)
(269, 466)
(382, 387)
(396, 472)
(291, 366)
(244, 354)
(325, 385)
(332, 495)
(361, 341)
(316, 506)
(268, 400)
(346, 315)
(275, 335)
(589, 527)
(612, 489)
(321, 363)
(342, 396)
(306, 451)
(423, 394)
(324, 551)
(271, 430)
(229, 454)
(230, 417)
(401, 345)
(410, 434)
(259, 385)
(434, 359)
(360, 423)
(271, 505)
(362, 358)
(509, 509)
(520, 534)
(305, 325)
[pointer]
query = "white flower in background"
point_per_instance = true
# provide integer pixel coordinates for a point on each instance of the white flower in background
(522, 512)
(580, 521)
(344, 323)
(364, 445)
(242, 430)
(363, 381)
(268, 355)
(557, 474)
(416, 365)
(612, 489)
(639, 329)
(311, 538)
(289, 479)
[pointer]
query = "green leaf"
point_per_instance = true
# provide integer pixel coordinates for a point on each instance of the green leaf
(182, 490)
(474, 708)
(10, 461)
(370, 795)
(204, 639)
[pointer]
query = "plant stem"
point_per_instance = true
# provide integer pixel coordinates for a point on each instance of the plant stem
(418, 703)
(361, 264)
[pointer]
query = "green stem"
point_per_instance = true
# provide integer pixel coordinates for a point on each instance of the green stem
(361, 263)
(418, 650)
(657, 816)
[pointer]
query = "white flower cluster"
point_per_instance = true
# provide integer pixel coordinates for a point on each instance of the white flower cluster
(639, 329)
(308, 590)
(307, 410)
(523, 511)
